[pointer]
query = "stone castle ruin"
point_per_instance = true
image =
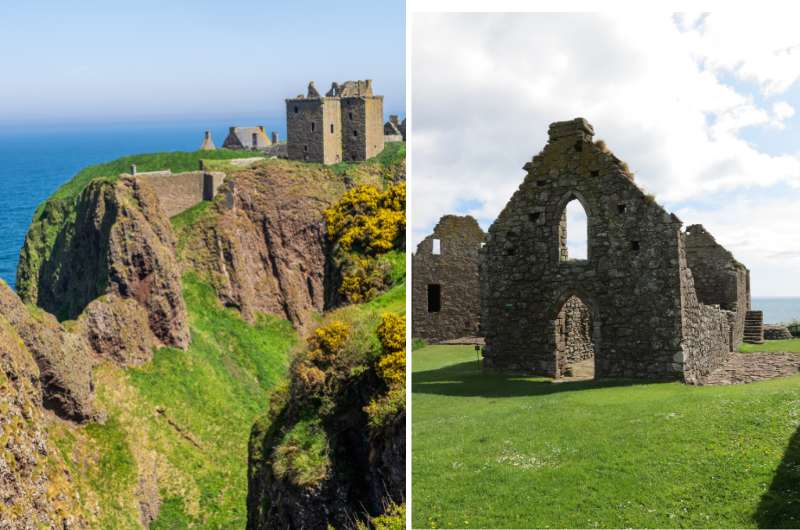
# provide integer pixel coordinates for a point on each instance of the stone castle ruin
(649, 300)
(444, 283)
(394, 130)
(346, 124)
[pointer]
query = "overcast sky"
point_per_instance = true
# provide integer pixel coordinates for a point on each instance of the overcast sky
(106, 60)
(701, 107)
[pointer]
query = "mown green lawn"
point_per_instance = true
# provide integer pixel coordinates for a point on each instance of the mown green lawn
(787, 345)
(503, 451)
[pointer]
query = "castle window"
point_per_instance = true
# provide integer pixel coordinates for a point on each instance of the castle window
(595, 173)
(635, 246)
(313, 126)
(436, 247)
(355, 132)
(295, 109)
(331, 128)
(573, 244)
(305, 148)
(534, 217)
(434, 298)
(350, 115)
(541, 182)
(255, 140)
(578, 146)
(622, 207)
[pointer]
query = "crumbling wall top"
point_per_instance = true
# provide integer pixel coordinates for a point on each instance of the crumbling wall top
(577, 128)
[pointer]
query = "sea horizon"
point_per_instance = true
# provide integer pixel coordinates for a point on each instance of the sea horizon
(35, 160)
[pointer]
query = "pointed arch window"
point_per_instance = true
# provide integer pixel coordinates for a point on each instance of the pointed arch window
(573, 231)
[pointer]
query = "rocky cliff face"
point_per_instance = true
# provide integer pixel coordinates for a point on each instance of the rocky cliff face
(366, 470)
(115, 240)
(64, 361)
(263, 245)
(35, 487)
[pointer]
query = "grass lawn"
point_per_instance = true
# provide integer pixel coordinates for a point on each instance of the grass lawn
(787, 345)
(504, 451)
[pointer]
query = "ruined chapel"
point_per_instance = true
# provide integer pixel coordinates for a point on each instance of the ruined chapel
(649, 299)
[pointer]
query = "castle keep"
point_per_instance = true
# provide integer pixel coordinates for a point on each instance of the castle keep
(445, 286)
(344, 125)
(660, 302)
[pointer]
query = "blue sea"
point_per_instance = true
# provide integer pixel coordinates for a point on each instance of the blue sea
(778, 310)
(35, 161)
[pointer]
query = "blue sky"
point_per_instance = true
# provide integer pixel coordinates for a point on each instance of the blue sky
(93, 61)
(704, 108)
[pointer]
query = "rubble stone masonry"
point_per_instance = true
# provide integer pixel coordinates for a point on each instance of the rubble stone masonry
(646, 318)
(455, 271)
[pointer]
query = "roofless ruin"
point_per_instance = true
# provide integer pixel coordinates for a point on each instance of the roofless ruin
(649, 300)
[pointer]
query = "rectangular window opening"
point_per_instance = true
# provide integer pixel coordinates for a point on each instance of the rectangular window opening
(534, 217)
(436, 247)
(331, 128)
(312, 126)
(635, 246)
(434, 298)
(595, 173)
(621, 208)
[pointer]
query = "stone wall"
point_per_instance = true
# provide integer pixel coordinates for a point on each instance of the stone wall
(707, 330)
(660, 303)
(313, 129)
(776, 332)
(455, 270)
(630, 280)
(362, 122)
(180, 191)
(573, 329)
(719, 279)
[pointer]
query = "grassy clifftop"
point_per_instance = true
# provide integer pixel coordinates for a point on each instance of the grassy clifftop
(172, 452)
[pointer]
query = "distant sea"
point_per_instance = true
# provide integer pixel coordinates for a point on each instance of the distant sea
(778, 310)
(35, 161)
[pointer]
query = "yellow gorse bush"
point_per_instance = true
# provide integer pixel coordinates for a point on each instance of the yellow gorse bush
(392, 363)
(366, 220)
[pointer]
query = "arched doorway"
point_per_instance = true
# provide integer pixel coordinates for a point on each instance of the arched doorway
(574, 339)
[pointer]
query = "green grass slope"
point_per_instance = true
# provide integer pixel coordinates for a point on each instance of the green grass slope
(177, 161)
(783, 345)
(186, 415)
(503, 451)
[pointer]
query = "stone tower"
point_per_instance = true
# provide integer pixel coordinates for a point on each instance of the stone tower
(313, 127)
(344, 124)
(362, 119)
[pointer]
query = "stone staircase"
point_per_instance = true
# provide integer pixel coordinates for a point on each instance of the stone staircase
(754, 327)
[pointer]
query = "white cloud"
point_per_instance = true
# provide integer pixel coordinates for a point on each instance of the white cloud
(660, 90)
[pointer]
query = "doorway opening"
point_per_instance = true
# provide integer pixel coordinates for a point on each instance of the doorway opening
(574, 340)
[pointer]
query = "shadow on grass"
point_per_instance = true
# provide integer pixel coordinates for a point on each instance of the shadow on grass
(780, 506)
(467, 380)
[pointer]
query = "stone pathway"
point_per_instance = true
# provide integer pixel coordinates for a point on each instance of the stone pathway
(463, 341)
(580, 371)
(750, 367)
